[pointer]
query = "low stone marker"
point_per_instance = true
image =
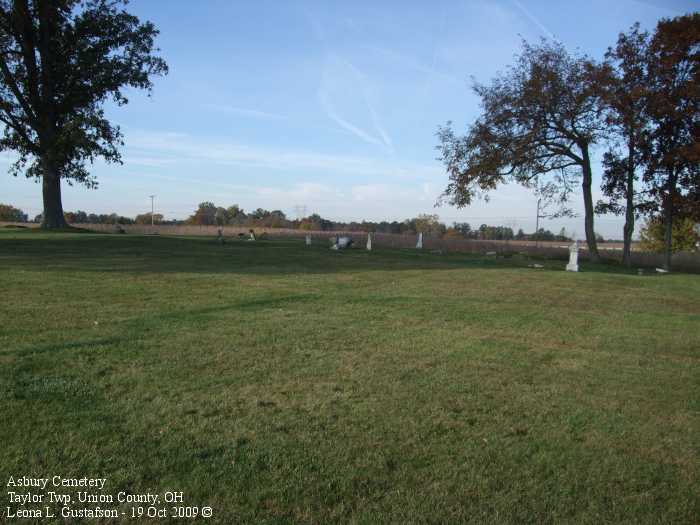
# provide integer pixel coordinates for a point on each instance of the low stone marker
(369, 242)
(573, 258)
(308, 240)
(341, 243)
(419, 244)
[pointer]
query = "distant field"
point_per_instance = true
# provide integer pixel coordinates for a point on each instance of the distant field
(192, 230)
(283, 384)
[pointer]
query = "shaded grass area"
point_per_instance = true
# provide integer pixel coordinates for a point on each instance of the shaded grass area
(282, 384)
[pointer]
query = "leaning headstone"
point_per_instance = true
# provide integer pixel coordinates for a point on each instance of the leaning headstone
(419, 244)
(341, 243)
(369, 242)
(573, 258)
(308, 240)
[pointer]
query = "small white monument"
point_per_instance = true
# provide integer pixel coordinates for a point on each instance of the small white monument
(419, 244)
(573, 258)
(369, 242)
(308, 240)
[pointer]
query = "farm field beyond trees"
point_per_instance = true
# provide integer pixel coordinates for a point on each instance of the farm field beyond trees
(278, 383)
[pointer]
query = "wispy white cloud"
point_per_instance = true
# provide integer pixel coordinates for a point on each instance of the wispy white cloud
(410, 63)
(168, 147)
(356, 77)
(378, 126)
(244, 112)
(534, 20)
(383, 194)
(339, 74)
(308, 192)
(149, 162)
(332, 114)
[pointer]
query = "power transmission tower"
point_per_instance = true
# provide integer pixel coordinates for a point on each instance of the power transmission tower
(300, 211)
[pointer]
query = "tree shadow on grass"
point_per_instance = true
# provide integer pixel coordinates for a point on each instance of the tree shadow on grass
(155, 254)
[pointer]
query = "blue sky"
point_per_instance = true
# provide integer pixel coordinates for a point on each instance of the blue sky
(331, 105)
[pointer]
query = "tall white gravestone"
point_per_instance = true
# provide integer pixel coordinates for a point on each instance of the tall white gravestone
(369, 242)
(419, 244)
(573, 258)
(308, 240)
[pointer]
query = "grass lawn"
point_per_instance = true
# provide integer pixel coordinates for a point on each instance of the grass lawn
(283, 384)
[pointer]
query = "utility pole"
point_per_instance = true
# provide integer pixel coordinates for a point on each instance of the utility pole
(537, 224)
(152, 207)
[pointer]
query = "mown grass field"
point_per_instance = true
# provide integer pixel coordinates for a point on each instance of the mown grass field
(283, 384)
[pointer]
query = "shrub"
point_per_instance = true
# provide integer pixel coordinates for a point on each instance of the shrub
(684, 235)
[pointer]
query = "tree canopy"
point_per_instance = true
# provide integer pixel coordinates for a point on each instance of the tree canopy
(60, 61)
(538, 122)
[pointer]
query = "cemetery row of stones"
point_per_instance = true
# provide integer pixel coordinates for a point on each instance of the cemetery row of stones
(682, 261)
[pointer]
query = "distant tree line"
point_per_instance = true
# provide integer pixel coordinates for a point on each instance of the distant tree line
(685, 235)
(11, 214)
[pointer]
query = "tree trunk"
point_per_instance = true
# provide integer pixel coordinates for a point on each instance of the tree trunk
(629, 209)
(53, 207)
(588, 205)
(668, 220)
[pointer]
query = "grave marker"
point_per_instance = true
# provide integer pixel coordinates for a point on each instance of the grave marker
(573, 258)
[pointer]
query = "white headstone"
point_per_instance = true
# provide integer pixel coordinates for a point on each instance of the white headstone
(419, 244)
(308, 240)
(369, 242)
(573, 258)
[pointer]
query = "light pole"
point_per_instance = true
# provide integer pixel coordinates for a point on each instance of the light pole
(152, 208)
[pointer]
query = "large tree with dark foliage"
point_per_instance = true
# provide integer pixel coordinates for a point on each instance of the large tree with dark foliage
(624, 87)
(539, 120)
(651, 87)
(60, 61)
(673, 157)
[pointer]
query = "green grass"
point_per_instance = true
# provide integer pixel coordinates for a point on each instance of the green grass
(284, 384)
